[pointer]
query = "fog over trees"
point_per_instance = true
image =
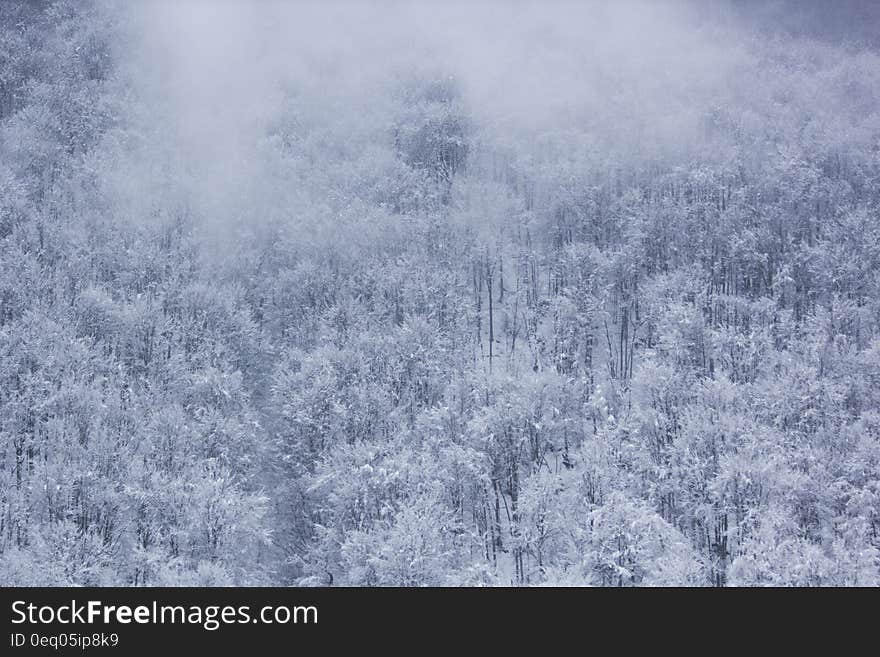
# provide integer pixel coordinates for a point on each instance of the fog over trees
(439, 293)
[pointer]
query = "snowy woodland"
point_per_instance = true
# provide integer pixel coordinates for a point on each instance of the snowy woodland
(440, 293)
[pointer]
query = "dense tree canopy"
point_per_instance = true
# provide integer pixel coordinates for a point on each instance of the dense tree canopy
(401, 325)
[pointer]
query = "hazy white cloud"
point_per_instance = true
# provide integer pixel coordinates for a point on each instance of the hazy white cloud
(214, 77)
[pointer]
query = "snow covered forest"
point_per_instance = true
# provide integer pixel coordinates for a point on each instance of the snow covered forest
(440, 293)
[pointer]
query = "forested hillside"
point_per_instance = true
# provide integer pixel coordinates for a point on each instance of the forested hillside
(463, 294)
